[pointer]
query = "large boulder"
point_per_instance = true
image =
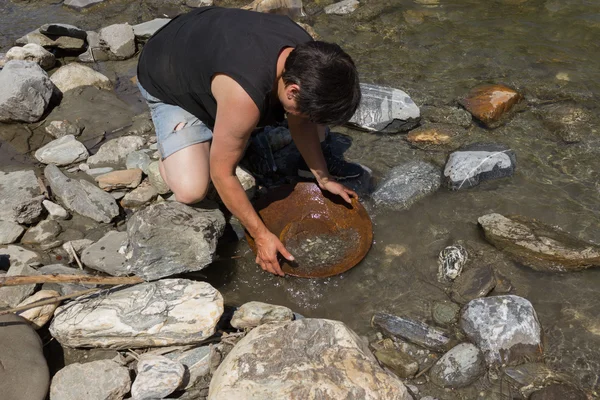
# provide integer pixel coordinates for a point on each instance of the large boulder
(32, 52)
(163, 313)
(26, 91)
(16, 188)
(74, 75)
(96, 380)
(64, 151)
(307, 358)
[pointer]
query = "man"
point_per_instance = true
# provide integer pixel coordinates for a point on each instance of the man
(212, 75)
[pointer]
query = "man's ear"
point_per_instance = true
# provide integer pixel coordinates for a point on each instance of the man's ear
(292, 91)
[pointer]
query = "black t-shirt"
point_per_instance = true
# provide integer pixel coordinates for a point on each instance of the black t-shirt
(179, 61)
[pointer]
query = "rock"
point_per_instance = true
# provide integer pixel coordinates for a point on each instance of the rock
(74, 75)
(489, 103)
(447, 115)
(403, 365)
(303, 359)
(156, 179)
(530, 377)
(157, 377)
(146, 29)
(413, 331)
(198, 3)
(39, 316)
(16, 188)
(115, 151)
(451, 262)
(127, 178)
(81, 196)
(96, 380)
(2, 59)
(95, 172)
(32, 52)
(63, 30)
(19, 260)
(406, 184)
(568, 120)
(26, 91)
(138, 159)
(58, 129)
(342, 8)
(196, 362)
(140, 196)
(558, 392)
(96, 50)
(385, 109)
(81, 4)
(54, 210)
(120, 40)
(24, 374)
(64, 151)
(291, 8)
(10, 232)
(61, 42)
(478, 162)
(105, 255)
(505, 328)
(472, 284)
(537, 245)
(63, 288)
(255, 313)
(43, 233)
(247, 180)
(459, 367)
(163, 313)
(29, 211)
(439, 137)
(445, 313)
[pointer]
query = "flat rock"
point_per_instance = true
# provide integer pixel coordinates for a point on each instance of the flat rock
(29, 211)
(120, 40)
(537, 245)
(303, 359)
(171, 238)
(157, 377)
(81, 4)
(26, 91)
(479, 162)
(402, 364)
(54, 210)
(64, 151)
(39, 316)
(406, 184)
(413, 331)
(255, 313)
(105, 254)
(63, 30)
(126, 178)
(32, 52)
(140, 196)
(196, 362)
(81, 196)
(163, 313)
(156, 179)
(15, 188)
(96, 380)
(473, 283)
(115, 151)
(58, 129)
(74, 75)
(44, 232)
(149, 28)
(489, 103)
(342, 8)
(505, 328)
(61, 42)
(10, 232)
(138, 159)
(18, 258)
(459, 367)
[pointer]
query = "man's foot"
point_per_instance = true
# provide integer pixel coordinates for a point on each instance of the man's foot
(338, 168)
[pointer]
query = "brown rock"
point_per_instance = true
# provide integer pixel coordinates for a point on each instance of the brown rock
(402, 364)
(127, 178)
(434, 136)
(488, 103)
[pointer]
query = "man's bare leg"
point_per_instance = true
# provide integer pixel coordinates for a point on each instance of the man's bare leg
(187, 172)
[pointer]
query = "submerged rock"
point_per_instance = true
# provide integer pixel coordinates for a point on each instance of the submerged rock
(115, 151)
(559, 392)
(532, 376)
(459, 367)
(473, 283)
(16, 188)
(105, 254)
(32, 52)
(451, 262)
(402, 364)
(64, 151)
(447, 115)
(445, 312)
(39, 316)
(569, 121)
(342, 8)
(157, 377)
(74, 75)
(413, 331)
(119, 39)
(96, 380)
(489, 103)
(255, 313)
(434, 137)
(149, 28)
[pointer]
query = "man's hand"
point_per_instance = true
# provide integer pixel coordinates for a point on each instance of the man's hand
(267, 247)
(339, 189)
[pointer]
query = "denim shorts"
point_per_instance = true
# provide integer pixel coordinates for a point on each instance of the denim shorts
(166, 117)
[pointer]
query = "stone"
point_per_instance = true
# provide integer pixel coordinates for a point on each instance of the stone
(489, 103)
(473, 283)
(19, 258)
(43, 233)
(146, 29)
(138, 159)
(32, 52)
(171, 238)
(64, 288)
(157, 377)
(530, 377)
(24, 374)
(568, 120)
(105, 255)
(140, 196)
(63, 30)
(26, 91)
(126, 178)
(291, 8)
(342, 8)
(29, 211)
(95, 172)
(39, 316)
(61, 42)
(437, 137)
(505, 328)
(15, 188)
(96, 380)
(196, 362)
(10, 232)
(81, 4)
(303, 359)
(96, 51)
(451, 262)
(120, 40)
(537, 245)
(64, 151)
(406, 184)
(445, 313)
(402, 364)
(162, 313)
(156, 179)
(479, 162)
(247, 181)
(55, 211)
(58, 129)
(459, 367)
(385, 109)
(447, 115)
(558, 392)
(74, 75)
(81, 196)
(115, 151)
(413, 331)
(254, 313)
(2, 59)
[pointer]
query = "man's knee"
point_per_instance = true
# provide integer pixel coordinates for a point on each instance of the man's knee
(191, 195)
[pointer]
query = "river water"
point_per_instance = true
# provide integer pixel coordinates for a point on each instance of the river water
(436, 50)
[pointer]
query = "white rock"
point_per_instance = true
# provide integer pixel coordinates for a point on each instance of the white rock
(32, 52)
(157, 377)
(96, 380)
(64, 151)
(74, 75)
(342, 8)
(55, 211)
(39, 316)
(120, 39)
(255, 313)
(115, 151)
(10, 232)
(15, 188)
(147, 29)
(247, 180)
(81, 4)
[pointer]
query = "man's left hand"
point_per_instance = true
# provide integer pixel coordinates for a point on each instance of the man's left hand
(338, 189)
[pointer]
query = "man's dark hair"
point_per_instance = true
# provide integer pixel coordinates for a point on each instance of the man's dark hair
(329, 88)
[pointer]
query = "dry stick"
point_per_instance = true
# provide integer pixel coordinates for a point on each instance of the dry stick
(48, 301)
(74, 254)
(16, 280)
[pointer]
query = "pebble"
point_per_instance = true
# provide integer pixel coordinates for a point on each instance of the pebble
(55, 211)
(74, 75)
(157, 377)
(342, 8)
(115, 151)
(63, 30)
(445, 313)
(95, 172)
(43, 233)
(403, 365)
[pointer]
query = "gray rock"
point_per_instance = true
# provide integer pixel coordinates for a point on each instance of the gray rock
(2, 59)
(406, 184)
(156, 179)
(64, 151)
(342, 8)
(479, 162)
(473, 283)
(505, 328)
(170, 238)
(63, 30)
(32, 52)
(29, 211)
(459, 367)
(63, 288)
(106, 255)
(199, 3)
(26, 91)
(95, 172)
(149, 28)
(43, 233)
(140, 196)
(81, 4)
(138, 159)
(196, 362)
(402, 364)
(255, 313)
(120, 40)
(115, 151)
(96, 51)
(163, 313)
(74, 75)
(157, 377)
(413, 331)
(445, 313)
(96, 380)
(10, 232)
(15, 188)
(62, 42)
(54, 210)
(19, 259)
(81, 196)
(58, 129)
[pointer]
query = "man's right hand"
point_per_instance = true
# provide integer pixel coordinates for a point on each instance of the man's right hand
(267, 247)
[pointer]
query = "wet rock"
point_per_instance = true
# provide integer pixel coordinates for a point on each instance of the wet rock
(74, 75)
(196, 362)
(10, 232)
(385, 109)
(81, 4)
(445, 313)
(39, 316)
(96, 51)
(58, 129)
(96, 380)
(558, 392)
(64, 151)
(171, 238)
(95, 172)
(156, 179)
(530, 377)
(406, 184)
(81, 196)
(140, 196)
(115, 151)
(106, 254)
(413, 331)
(472, 284)
(138, 159)
(255, 313)
(32, 52)
(537, 245)
(342, 8)
(63, 30)
(451, 262)
(489, 103)
(127, 178)
(157, 377)
(19, 260)
(146, 29)
(28, 211)
(24, 374)
(569, 121)
(334, 361)
(120, 40)
(505, 328)
(403, 365)
(43, 233)
(434, 137)
(63, 288)
(447, 115)
(54, 210)
(479, 162)
(61, 42)
(162, 313)
(26, 91)
(459, 367)
(16, 188)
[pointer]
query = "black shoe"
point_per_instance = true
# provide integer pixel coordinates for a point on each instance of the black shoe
(338, 168)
